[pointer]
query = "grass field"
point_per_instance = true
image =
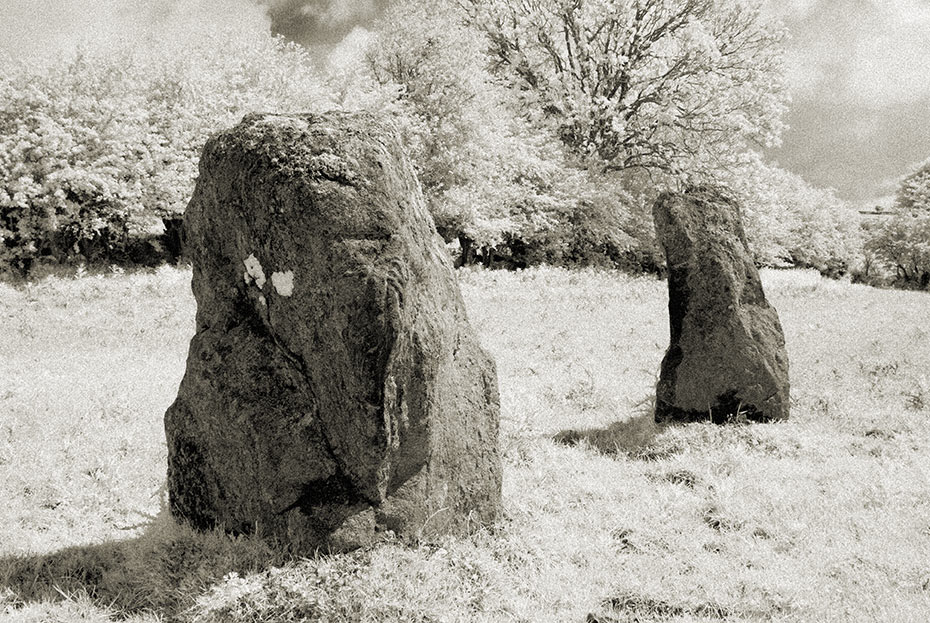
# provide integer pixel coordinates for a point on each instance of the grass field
(825, 517)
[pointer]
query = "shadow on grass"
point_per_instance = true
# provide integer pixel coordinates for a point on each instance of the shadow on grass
(162, 571)
(632, 606)
(637, 437)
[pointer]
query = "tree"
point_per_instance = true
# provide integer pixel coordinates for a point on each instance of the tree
(458, 128)
(903, 244)
(72, 155)
(788, 221)
(503, 188)
(914, 193)
(676, 86)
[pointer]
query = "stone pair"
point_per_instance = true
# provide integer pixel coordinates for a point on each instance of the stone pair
(334, 389)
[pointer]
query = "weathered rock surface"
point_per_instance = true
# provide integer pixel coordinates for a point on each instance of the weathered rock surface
(334, 389)
(727, 354)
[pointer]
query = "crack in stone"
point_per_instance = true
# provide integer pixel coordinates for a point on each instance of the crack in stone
(341, 475)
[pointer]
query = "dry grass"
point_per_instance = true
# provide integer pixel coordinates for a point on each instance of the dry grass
(825, 517)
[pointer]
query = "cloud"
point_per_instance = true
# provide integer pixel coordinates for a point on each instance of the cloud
(859, 72)
(349, 54)
(328, 12)
(875, 52)
(790, 8)
(860, 151)
(339, 12)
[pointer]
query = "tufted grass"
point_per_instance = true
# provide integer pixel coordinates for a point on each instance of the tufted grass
(825, 517)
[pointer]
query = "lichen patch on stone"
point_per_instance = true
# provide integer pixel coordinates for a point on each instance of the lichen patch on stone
(253, 270)
(283, 282)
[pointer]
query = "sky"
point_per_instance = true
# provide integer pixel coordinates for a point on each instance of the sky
(858, 70)
(42, 27)
(859, 73)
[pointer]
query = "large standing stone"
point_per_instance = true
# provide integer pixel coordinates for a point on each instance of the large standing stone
(727, 354)
(334, 388)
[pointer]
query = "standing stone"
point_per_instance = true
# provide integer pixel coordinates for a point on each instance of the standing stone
(727, 354)
(334, 388)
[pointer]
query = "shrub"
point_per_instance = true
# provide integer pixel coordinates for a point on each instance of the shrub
(96, 148)
(68, 171)
(582, 219)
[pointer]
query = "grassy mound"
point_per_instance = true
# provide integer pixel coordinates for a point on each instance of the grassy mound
(825, 517)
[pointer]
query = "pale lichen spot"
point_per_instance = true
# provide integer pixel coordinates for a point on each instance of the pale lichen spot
(261, 299)
(283, 282)
(254, 270)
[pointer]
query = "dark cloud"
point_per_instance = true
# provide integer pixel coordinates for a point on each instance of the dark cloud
(322, 22)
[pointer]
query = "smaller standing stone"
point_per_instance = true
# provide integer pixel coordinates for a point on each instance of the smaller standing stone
(727, 354)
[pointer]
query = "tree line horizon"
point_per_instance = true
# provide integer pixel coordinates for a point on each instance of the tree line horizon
(540, 132)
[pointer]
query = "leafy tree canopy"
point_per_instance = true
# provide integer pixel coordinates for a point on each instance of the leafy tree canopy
(675, 86)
